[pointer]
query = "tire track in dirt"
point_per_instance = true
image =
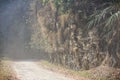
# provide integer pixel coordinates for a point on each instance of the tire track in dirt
(31, 71)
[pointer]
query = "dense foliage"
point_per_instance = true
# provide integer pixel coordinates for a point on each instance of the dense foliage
(79, 34)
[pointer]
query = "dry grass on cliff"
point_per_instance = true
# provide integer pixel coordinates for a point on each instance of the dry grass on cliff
(105, 73)
(99, 73)
(6, 72)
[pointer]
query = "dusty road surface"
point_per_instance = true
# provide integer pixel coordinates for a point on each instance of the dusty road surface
(31, 71)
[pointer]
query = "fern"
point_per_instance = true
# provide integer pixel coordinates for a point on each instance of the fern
(107, 19)
(99, 16)
(113, 18)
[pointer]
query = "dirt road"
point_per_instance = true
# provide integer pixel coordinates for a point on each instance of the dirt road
(31, 71)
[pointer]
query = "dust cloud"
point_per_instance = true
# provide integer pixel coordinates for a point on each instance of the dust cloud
(15, 30)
